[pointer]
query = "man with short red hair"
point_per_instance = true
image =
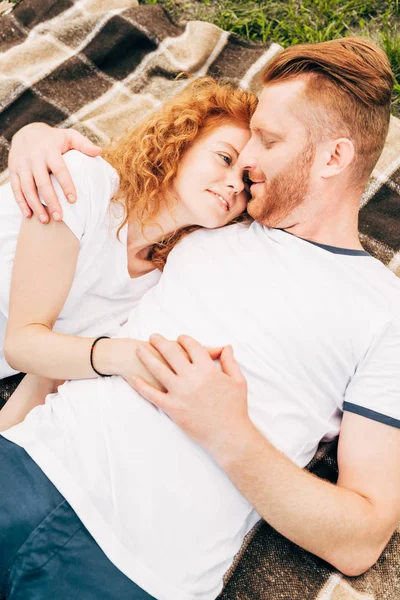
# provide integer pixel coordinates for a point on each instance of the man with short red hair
(319, 128)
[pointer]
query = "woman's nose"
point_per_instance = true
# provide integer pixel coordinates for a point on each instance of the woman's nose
(235, 181)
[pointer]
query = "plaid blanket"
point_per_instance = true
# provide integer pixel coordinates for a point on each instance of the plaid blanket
(99, 66)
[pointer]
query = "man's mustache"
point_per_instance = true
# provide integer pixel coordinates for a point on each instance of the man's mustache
(249, 179)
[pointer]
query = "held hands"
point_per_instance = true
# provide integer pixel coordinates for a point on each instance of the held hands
(36, 151)
(121, 357)
(206, 401)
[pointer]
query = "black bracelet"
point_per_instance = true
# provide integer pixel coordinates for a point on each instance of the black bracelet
(102, 337)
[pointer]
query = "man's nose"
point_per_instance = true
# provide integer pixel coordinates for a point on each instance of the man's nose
(247, 160)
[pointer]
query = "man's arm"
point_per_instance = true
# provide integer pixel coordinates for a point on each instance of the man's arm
(347, 524)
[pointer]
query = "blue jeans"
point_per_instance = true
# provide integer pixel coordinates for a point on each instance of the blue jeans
(46, 553)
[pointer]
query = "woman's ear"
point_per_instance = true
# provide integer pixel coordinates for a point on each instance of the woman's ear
(337, 157)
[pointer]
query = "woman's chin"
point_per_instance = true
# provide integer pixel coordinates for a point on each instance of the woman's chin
(213, 221)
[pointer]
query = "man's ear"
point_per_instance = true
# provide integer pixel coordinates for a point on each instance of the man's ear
(338, 156)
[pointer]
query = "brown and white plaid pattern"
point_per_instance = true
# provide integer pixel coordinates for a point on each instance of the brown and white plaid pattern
(100, 66)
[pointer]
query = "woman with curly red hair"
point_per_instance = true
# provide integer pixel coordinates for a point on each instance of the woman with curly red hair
(77, 279)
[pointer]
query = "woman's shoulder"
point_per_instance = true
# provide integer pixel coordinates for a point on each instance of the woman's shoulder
(95, 182)
(91, 169)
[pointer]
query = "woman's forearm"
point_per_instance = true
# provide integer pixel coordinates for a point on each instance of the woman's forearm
(116, 356)
(43, 273)
(38, 350)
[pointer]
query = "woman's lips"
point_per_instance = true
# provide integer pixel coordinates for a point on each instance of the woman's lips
(222, 203)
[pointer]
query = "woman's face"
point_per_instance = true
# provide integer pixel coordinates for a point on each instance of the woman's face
(209, 184)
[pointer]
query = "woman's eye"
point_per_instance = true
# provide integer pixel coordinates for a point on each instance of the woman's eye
(226, 158)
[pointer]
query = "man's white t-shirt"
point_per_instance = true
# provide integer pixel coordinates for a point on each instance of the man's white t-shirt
(102, 293)
(312, 327)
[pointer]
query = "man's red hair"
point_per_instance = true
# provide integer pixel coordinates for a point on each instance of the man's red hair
(348, 92)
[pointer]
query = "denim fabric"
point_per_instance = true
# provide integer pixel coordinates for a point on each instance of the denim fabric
(46, 553)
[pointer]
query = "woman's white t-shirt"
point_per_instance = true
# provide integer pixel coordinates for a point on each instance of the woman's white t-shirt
(102, 294)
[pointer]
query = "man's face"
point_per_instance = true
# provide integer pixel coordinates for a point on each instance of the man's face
(278, 157)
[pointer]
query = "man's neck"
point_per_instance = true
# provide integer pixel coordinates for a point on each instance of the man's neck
(332, 223)
(340, 237)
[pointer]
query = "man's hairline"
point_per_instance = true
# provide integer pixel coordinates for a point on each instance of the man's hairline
(301, 95)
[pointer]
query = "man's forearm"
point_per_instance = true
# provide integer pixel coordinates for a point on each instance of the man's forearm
(332, 522)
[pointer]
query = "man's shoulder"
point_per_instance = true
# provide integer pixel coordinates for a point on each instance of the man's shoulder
(382, 278)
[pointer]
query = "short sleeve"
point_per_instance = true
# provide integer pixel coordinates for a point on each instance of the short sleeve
(374, 390)
(95, 182)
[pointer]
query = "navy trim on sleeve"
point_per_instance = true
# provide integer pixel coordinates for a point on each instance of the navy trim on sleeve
(371, 414)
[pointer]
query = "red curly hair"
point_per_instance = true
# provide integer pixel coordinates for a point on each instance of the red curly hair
(148, 156)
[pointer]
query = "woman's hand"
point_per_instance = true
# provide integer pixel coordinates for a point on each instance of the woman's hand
(36, 151)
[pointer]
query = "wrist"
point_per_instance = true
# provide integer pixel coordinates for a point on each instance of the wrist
(103, 357)
(116, 356)
(232, 448)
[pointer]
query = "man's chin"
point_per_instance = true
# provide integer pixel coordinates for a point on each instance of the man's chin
(257, 212)
(255, 208)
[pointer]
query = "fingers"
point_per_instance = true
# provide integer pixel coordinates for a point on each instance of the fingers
(45, 187)
(194, 349)
(229, 365)
(19, 196)
(77, 141)
(177, 353)
(150, 393)
(171, 352)
(214, 352)
(35, 151)
(29, 191)
(157, 368)
(60, 171)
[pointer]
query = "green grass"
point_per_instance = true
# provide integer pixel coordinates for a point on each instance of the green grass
(290, 22)
(390, 40)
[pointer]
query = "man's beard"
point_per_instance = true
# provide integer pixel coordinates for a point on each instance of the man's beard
(285, 191)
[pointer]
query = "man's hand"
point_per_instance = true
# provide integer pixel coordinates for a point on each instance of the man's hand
(36, 151)
(206, 401)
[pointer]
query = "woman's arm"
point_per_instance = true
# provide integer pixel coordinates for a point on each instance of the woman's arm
(31, 392)
(43, 272)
